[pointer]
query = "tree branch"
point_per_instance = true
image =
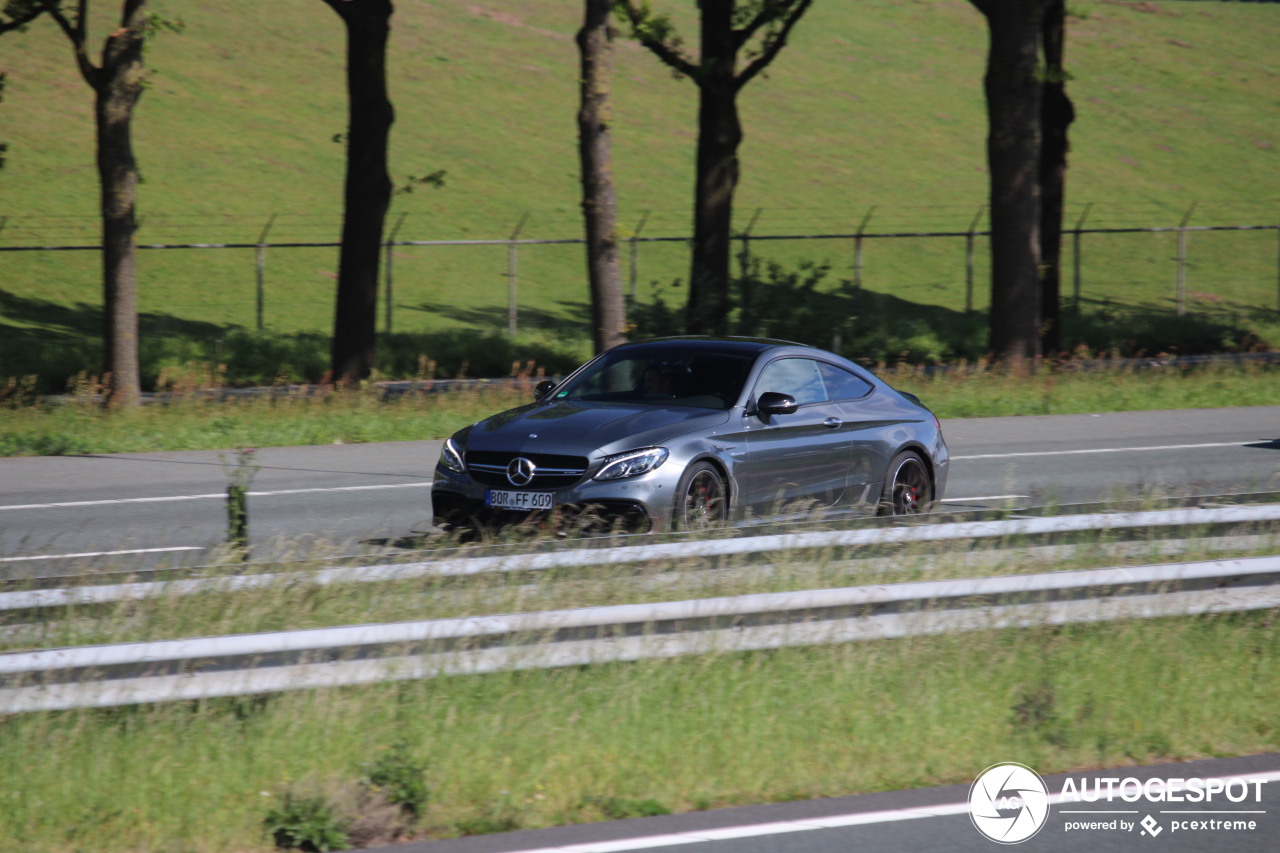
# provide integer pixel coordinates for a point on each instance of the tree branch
(76, 35)
(767, 14)
(20, 17)
(774, 45)
(643, 30)
(339, 6)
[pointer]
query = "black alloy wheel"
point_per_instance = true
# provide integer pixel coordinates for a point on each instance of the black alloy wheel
(907, 487)
(702, 500)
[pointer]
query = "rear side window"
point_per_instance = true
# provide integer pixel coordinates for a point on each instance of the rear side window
(841, 384)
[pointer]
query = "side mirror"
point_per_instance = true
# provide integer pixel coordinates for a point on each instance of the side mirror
(773, 403)
(542, 389)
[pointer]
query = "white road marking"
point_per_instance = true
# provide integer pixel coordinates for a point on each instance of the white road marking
(779, 827)
(101, 554)
(221, 496)
(1109, 450)
(982, 498)
(217, 496)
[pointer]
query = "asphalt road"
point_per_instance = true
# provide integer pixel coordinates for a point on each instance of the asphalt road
(169, 508)
(937, 820)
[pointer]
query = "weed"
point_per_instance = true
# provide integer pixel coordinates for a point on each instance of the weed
(402, 778)
(306, 823)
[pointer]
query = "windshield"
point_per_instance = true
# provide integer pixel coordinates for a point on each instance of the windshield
(667, 378)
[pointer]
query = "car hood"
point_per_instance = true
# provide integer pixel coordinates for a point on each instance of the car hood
(587, 428)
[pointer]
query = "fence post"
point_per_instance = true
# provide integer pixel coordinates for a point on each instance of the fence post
(635, 260)
(261, 263)
(1180, 294)
(968, 258)
(1076, 260)
(857, 247)
(511, 275)
(391, 241)
(1278, 267)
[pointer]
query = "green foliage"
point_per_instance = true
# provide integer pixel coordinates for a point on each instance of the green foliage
(1135, 332)
(876, 328)
(802, 305)
(156, 23)
(193, 357)
(402, 779)
(305, 823)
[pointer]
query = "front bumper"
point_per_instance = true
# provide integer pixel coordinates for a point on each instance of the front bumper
(635, 504)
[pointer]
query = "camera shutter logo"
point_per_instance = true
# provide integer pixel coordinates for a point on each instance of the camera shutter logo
(520, 471)
(1008, 802)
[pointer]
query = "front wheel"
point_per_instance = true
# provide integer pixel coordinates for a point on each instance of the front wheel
(701, 500)
(908, 490)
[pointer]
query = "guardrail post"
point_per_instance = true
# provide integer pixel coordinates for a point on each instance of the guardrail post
(857, 247)
(261, 263)
(511, 275)
(635, 259)
(968, 258)
(388, 277)
(1076, 260)
(1180, 294)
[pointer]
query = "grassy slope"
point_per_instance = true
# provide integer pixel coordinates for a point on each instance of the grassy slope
(878, 104)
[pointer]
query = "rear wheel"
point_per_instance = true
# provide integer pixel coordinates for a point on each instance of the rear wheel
(702, 500)
(908, 490)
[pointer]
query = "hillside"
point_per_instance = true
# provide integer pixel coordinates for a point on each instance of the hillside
(876, 104)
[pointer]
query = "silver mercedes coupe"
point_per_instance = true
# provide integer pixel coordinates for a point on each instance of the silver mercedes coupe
(689, 433)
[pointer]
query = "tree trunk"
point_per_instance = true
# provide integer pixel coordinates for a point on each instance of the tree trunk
(367, 192)
(1057, 115)
(599, 197)
(1013, 90)
(719, 135)
(117, 87)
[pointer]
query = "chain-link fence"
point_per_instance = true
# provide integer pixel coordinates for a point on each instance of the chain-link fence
(277, 270)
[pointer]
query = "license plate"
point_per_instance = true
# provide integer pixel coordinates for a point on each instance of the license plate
(518, 500)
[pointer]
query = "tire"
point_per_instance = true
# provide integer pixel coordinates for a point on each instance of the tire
(908, 488)
(702, 501)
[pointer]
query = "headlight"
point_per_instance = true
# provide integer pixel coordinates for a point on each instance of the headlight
(450, 458)
(632, 463)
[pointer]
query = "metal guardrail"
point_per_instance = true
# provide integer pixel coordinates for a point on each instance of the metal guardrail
(129, 673)
(682, 550)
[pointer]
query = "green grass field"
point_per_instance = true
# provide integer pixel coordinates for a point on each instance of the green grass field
(542, 748)
(878, 106)
(496, 752)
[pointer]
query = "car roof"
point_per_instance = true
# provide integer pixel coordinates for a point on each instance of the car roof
(743, 346)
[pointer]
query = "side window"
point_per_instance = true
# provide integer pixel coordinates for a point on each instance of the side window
(798, 377)
(841, 384)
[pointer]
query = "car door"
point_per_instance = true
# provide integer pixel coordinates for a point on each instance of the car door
(864, 421)
(799, 459)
